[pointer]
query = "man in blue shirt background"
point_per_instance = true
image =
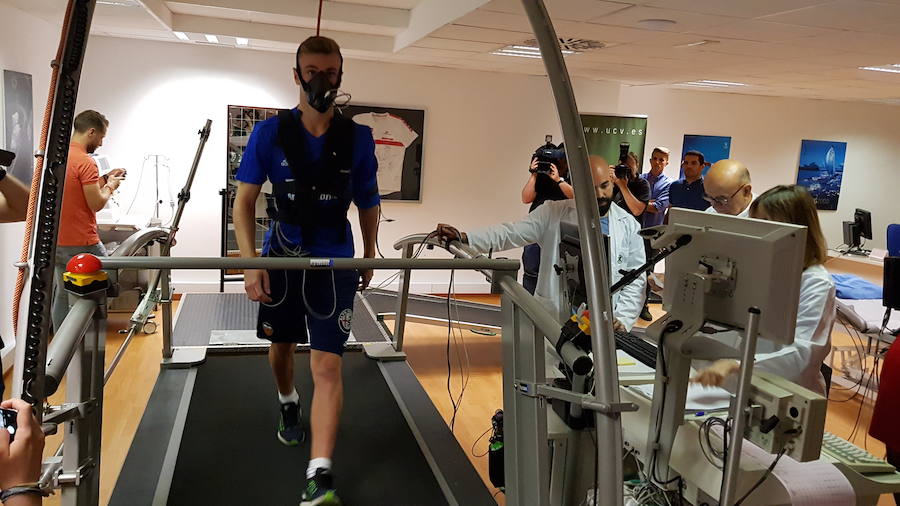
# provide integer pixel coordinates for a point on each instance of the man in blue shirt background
(655, 213)
(318, 162)
(687, 192)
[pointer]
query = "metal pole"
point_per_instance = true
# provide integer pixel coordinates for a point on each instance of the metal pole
(166, 301)
(66, 342)
(739, 411)
(402, 301)
(606, 387)
(29, 376)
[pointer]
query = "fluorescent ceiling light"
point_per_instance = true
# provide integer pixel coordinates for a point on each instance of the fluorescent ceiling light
(181, 35)
(709, 83)
(895, 69)
(720, 83)
(521, 55)
(526, 51)
(241, 41)
(212, 39)
(698, 43)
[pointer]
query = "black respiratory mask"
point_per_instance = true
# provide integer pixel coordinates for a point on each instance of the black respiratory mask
(320, 93)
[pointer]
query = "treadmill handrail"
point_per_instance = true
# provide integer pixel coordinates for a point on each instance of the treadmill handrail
(542, 318)
(138, 240)
(310, 263)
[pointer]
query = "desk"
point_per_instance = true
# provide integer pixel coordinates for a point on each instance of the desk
(704, 480)
(867, 268)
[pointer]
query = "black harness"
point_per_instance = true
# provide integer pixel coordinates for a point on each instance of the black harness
(326, 181)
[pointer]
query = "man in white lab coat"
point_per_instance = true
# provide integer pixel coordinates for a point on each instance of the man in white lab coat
(542, 226)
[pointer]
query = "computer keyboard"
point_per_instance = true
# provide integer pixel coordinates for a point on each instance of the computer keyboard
(641, 350)
(853, 456)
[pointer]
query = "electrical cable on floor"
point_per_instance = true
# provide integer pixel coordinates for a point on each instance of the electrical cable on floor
(477, 455)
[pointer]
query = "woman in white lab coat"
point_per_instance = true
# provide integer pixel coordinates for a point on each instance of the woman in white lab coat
(800, 362)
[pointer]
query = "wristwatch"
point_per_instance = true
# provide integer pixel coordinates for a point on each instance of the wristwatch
(2, 173)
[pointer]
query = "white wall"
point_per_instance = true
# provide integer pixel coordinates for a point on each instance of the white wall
(766, 134)
(27, 44)
(480, 129)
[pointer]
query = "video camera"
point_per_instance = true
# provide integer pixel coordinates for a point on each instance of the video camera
(6, 158)
(623, 171)
(547, 154)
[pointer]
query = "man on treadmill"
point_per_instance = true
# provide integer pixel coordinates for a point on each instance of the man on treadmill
(318, 162)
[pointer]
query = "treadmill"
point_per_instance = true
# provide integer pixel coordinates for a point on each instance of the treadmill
(207, 435)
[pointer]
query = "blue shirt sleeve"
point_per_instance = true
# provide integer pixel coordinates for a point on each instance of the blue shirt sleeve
(256, 156)
(365, 169)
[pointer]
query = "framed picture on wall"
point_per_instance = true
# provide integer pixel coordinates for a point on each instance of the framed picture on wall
(18, 118)
(821, 171)
(604, 133)
(399, 136)
(713, 147)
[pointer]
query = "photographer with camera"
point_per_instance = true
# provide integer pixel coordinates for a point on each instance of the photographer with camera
(549, 181)
(631, 192)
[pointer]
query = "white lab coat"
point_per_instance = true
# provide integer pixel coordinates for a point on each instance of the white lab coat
(541, 226)
(801, 362)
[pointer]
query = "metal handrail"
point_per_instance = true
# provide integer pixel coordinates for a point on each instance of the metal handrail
(307, 263)
(138, 240)
(65, 342)
(542, 317)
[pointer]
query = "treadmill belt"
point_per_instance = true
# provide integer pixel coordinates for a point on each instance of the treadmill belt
(230, 455)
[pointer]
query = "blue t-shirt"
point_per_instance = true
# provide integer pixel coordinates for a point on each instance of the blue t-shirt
(264, 159)
(687, 195)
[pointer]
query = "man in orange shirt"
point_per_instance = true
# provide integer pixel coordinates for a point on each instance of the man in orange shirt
(85, 193)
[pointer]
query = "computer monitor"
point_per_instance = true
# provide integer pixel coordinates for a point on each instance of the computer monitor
(766, 259)
(863, 220)
(860, 227)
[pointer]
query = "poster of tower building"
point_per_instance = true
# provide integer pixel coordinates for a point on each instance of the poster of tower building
(821, 171)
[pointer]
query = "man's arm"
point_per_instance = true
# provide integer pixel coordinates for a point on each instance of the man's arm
(528, 192)
(660, 203)
(256, 281)
(636, 206)
(97, 196)
(368, 226)
(13, 200)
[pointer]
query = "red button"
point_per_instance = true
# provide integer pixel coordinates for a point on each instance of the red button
(84, 263)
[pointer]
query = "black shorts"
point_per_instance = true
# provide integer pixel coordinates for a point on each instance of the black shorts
(322, 318)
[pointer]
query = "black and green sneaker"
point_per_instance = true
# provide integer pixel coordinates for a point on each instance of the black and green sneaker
(290, 430)
(320, 490)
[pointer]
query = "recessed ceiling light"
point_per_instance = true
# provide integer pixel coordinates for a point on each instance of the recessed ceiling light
(118, 3)
(656, 24)
(181, 35)
(212, 39)
(895, 69)
(241, 41)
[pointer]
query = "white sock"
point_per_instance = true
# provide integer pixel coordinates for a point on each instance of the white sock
(291, 397)
(317, 463)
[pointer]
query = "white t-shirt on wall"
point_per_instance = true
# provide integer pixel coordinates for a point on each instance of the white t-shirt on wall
(392, 136)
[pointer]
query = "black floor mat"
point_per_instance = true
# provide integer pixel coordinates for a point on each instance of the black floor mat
(230, 455)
